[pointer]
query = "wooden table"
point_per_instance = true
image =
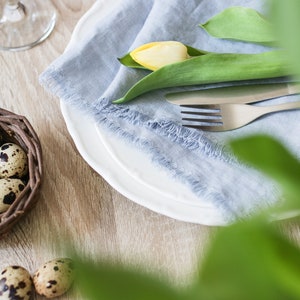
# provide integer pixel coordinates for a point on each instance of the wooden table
(75, 202)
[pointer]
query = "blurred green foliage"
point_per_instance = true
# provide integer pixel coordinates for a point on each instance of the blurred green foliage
(246, 260)
(286, 18)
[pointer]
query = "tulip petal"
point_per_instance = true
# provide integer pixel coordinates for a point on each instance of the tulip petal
(158, 54)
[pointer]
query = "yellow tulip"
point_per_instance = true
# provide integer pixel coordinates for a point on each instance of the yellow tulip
(158, 54)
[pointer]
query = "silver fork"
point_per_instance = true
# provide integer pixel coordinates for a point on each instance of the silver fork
(222, 117)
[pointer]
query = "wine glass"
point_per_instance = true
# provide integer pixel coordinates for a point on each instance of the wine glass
(25, 23)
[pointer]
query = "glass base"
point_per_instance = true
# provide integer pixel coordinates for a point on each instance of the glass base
(26, 24)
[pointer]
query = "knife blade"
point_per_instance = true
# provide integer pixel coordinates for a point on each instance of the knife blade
(234, 94)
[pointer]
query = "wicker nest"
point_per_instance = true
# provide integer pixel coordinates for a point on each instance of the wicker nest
(17, 129)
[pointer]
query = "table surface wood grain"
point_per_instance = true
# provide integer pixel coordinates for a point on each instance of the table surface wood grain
(75, 202)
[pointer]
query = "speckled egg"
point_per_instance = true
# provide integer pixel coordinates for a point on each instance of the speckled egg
(54, 278)
(15, 283)
(10, 188)
(13, 161)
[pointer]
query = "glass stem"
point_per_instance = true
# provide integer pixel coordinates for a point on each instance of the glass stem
(14, 11)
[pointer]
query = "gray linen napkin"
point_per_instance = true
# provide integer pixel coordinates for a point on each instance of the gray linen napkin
(89, 77)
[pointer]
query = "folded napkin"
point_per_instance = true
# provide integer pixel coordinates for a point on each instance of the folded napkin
(89, 77)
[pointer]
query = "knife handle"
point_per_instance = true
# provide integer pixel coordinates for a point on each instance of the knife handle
(234, 94)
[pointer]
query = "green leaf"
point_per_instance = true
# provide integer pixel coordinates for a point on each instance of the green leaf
(272, 158)
(249, 260)
(127, 61)
(286, 18)
(195, 52)
(110, 282)
(240, 23)
(211, 68)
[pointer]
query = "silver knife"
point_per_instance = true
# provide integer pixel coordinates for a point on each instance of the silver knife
(234, 94)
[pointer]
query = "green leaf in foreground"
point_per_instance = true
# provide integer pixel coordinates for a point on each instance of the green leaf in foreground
(286, 18)
(249, 260)
(270, 157)
(109, 282)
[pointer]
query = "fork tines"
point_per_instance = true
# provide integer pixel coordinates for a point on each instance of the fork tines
(205, 117)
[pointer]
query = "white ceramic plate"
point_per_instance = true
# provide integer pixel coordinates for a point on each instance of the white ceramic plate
(127, 170)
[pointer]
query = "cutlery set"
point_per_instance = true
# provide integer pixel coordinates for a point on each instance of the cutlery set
(228, 108)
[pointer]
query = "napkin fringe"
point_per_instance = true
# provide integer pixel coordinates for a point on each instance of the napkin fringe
(191, 140)
(51, 81)
(206, 193)
(160, 160)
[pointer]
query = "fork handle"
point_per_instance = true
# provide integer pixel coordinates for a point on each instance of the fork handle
(279, 107)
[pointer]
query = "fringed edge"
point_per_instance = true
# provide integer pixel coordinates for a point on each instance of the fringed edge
(178, 134)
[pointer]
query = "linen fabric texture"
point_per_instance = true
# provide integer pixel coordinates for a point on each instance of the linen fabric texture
(89, 77)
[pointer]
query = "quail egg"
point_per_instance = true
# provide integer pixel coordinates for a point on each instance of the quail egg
(15, 283)
(10, 188)
(54, 278)
(13, 161)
